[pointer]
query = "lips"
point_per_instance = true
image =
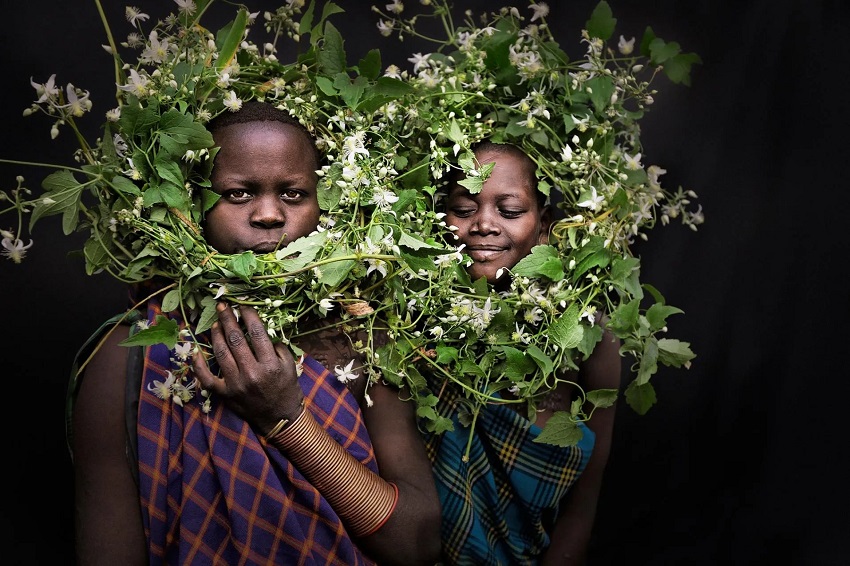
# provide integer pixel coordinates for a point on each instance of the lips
(485, 253)
(265, 247)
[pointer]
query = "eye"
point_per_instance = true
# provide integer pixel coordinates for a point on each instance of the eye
(511, 213)
(236, 195)
(293, 195)
(462, 211)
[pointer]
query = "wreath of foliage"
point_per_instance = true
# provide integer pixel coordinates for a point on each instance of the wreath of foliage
(382, 258)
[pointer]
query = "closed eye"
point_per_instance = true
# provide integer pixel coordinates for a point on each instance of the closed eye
(512, 213)
(463, 212)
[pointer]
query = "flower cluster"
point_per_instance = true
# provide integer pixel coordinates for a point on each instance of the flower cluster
(382, 259)
(506, 79)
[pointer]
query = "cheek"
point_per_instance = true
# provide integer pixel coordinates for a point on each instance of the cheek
(214, 233)
(462, 225)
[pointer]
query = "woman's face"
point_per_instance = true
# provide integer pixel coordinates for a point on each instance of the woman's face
(500, 224)
(265, 173)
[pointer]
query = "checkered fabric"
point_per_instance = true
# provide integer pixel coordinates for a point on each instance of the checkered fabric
(212, 492)
(499, 505)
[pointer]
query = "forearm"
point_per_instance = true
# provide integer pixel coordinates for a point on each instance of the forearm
(362, 499)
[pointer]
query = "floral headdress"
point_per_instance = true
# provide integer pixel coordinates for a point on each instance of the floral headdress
(507, 80)
(382, 257)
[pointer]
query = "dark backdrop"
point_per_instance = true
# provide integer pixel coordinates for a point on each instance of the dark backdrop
(742, 461)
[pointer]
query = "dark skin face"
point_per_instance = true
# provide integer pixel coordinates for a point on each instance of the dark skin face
(265, 173)
(504, 221)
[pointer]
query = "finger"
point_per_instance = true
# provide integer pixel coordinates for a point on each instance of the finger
(221, 347)
(284, 353)
(260, 341)
(231, 348)
(208, 380)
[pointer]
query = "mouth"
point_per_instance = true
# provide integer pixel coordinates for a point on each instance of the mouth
(485, 253)
(265, 247)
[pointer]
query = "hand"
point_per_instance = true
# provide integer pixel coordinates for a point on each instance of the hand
(258, 379)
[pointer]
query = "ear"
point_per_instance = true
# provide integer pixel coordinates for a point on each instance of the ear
(545, 225)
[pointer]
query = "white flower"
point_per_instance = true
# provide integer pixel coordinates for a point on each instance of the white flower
(653, 172)
(15, 249)
(344, 375)
(393, 72)
(186, 6)
(589, 314)
(156, 51)
(567, 153)
(396, 7)
(47, 90)
(541, 10)
(327, 304)
(384, 198)
(418, 60)
(385, 28)
(183, 350)
(232, 102)
(593, 201)
(352, 146)
(137, 84)
(143, 324)
(632, 163)
(77, 105)
(133, 15)
(162, 389)
(626, 47)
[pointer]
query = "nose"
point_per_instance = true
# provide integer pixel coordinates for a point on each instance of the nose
(268, 212)
(485, 223)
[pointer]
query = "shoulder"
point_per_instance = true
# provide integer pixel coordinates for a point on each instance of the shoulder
(602, 368)
(98, 415)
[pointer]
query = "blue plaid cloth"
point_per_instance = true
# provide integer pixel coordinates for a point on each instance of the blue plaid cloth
(499, 506)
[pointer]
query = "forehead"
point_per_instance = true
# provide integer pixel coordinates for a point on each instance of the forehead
(513, 175)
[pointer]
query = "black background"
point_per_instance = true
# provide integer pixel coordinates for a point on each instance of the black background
(744, 458)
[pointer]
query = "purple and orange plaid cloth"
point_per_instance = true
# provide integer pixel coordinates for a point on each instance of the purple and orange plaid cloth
(213, 492)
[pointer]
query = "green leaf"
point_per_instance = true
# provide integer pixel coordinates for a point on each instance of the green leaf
(65, 192)
(657, 315)
(640, 397)
(208, 314)
(446, 354)
(542, 261)
(179, 132)
(678, 68)
(561, 430)
(301, 252)
(168, 169)
(171, 300)
(674, 353)
(331, 57)
(124, 186)
(370, 65)
(602, 398)
(230, 37)
(352, 91)
(566, 331)
(242, 265)
(136, 120)
(602, 22)
(648, 361)
(332, 274)
(163, 331)
(601, 87)
(625, 317)
(472, 184)
(411, 242)
(517, 365)
(543, 361)
(660, 51)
